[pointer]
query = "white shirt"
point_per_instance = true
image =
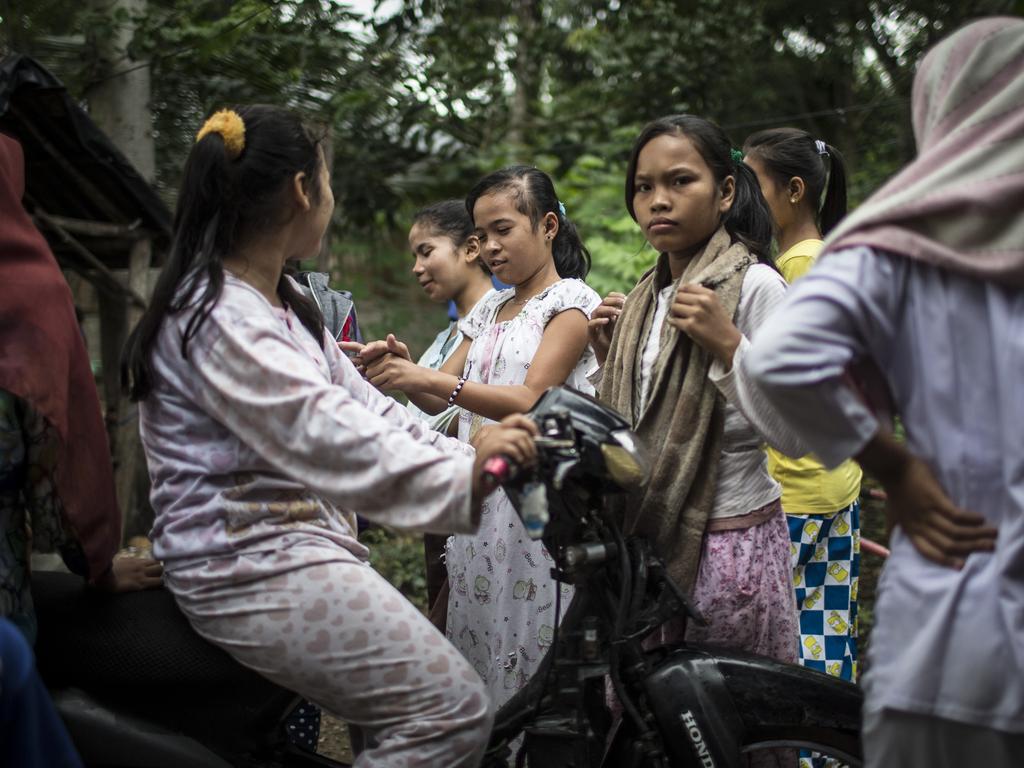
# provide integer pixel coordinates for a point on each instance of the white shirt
(261, 437)
(946, 643)
(744, 484)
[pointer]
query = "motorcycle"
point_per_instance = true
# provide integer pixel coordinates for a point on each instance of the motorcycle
(137, 687)
(683, 705)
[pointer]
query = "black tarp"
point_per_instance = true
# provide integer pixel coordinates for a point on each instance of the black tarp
(71, 168)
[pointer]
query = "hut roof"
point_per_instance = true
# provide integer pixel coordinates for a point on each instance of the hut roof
(74, 175)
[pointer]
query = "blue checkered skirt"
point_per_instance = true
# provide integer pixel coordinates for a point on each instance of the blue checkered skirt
(825, 550)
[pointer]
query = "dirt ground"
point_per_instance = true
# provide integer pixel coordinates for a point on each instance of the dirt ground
(334, 741)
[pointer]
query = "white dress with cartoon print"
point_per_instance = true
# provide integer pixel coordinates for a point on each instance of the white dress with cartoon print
(501, 608)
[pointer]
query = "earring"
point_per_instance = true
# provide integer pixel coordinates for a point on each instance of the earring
(792, 200)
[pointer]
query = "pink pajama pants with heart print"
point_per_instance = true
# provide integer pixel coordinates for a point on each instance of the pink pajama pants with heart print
(316, 620)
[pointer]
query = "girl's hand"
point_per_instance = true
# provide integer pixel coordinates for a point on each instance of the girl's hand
(352, 350)
(131, 574)
(376, 349)
(391, 371)
(938, 529)
(697, 312)
(512, 437)
(602, 324)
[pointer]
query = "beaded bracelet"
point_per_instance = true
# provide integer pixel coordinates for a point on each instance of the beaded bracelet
(455, 392)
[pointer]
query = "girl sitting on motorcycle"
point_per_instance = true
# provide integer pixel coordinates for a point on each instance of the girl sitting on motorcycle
(263, 439)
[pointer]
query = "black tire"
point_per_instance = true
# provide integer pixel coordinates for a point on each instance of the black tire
(829, 746)
(713, 705)
(784, 705)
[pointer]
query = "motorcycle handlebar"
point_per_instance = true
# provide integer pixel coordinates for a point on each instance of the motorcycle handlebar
(498, 470)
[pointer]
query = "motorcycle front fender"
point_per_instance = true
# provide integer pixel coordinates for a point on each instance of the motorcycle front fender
(712, 702)
(699, 723)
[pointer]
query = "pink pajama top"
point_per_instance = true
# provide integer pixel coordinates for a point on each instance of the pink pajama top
(261, 436)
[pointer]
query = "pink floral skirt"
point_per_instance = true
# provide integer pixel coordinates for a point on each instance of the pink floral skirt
(744, 589)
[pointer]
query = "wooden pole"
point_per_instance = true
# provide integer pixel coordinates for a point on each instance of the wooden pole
(132, 231)
(111, 282)
(324, 260)
(119, 102)
(113, 324)
(127, 449)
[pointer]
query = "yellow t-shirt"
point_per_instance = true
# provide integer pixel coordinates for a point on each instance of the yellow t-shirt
(807, 486)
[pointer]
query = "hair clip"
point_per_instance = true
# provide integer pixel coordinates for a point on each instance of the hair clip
(561, 208)
(821, 146)
(230, 126)
(737, 155)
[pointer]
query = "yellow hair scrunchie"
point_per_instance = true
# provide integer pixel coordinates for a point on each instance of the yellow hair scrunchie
(230, 126)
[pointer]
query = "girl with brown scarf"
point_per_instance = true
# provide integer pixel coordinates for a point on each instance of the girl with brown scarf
(669, 353)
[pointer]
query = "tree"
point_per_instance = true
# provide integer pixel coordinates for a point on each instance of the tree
(423, 102)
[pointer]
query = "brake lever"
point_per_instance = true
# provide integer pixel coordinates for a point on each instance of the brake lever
(555, 443)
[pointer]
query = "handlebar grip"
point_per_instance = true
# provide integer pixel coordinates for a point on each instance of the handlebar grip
(499, 469)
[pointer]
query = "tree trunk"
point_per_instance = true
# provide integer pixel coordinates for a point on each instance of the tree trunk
(325, 259)
(119, 99)
(526, 70)
(119, 103)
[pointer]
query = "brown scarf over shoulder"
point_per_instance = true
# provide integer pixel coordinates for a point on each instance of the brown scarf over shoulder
(683, 420)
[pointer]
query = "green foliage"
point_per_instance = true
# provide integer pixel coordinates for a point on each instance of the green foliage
(417, 105)
(398, 557)
(592, 190)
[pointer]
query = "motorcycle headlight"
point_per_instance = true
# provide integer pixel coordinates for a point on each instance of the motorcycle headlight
(625, 459)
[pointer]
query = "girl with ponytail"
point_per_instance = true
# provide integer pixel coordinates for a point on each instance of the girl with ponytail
(670, 352)
(263, 441)
(804, 182)
(519, 342)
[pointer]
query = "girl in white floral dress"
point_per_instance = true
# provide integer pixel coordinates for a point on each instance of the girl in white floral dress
(519, 342)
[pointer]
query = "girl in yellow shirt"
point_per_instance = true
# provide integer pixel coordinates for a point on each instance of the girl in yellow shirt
(804, 182)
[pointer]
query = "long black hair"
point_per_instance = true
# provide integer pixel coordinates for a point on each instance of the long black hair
(223, 203)
(449, 218)
(749, 220)
(791, 152)
(534, 196)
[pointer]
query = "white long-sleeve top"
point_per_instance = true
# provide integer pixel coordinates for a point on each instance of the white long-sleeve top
(946, 643)
(744, 484)
(261, 433)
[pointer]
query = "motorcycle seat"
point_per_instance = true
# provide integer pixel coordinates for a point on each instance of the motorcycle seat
(128, 643)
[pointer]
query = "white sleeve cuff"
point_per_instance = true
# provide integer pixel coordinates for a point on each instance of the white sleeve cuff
(742, 393)
(725, 379)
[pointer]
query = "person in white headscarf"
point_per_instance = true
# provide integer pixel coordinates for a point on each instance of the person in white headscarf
(924, 284)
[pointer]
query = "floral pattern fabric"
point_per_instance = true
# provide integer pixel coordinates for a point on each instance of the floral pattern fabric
(263, 433)
(501, 607)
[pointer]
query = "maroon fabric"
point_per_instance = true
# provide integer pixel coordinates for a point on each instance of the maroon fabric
(43, 361)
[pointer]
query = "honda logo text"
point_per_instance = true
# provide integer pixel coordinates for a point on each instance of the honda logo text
(697, 738)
